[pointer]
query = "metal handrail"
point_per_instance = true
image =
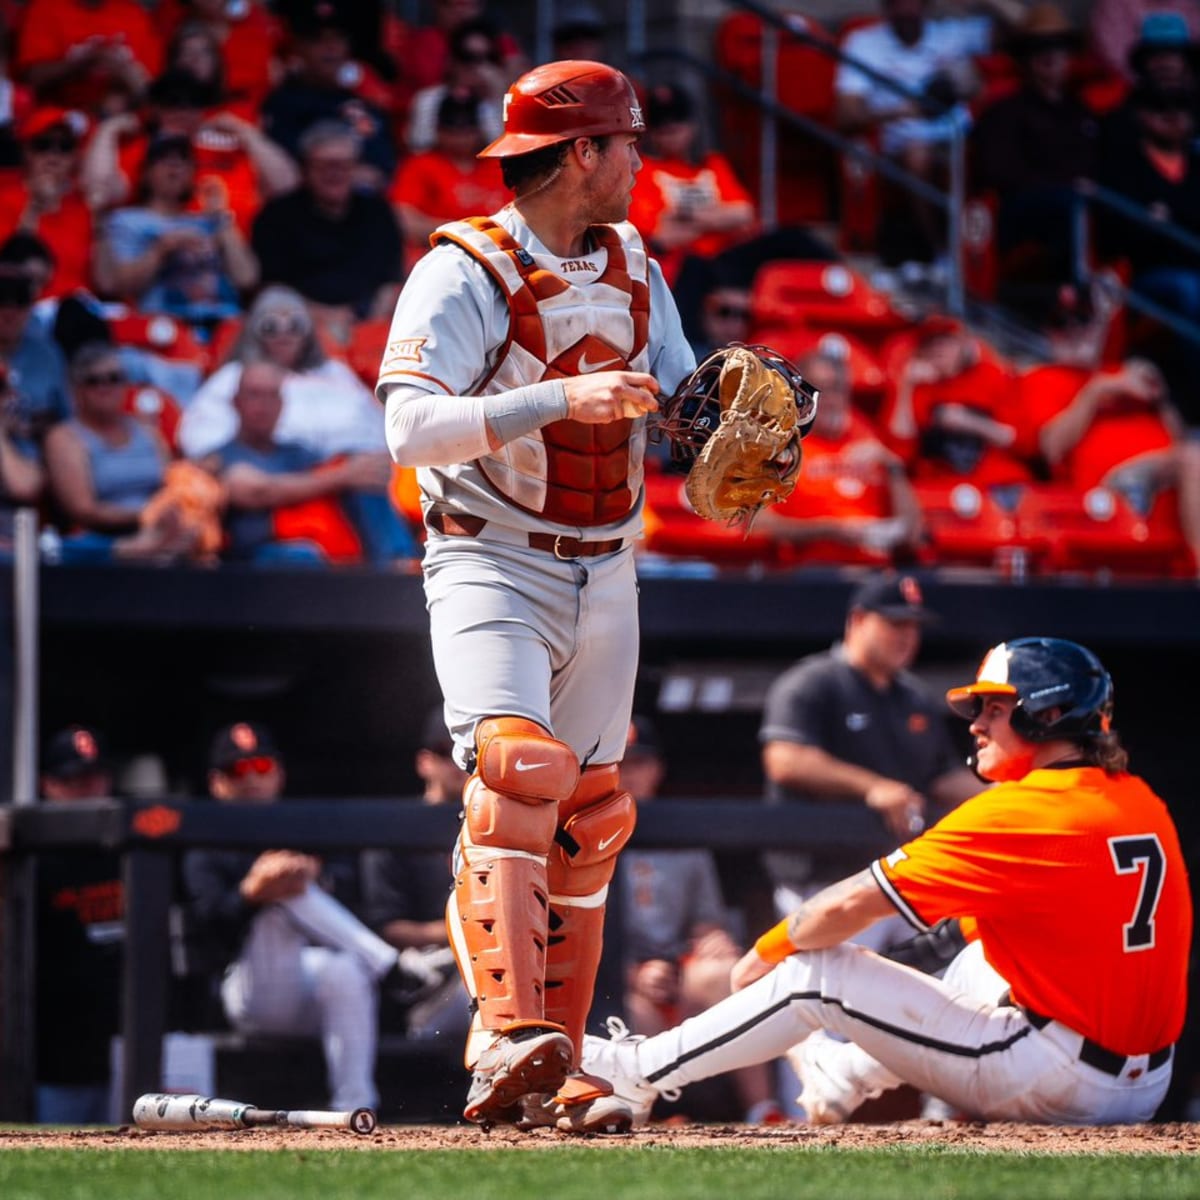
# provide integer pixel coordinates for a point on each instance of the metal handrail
(951, 202)
(1087, 192)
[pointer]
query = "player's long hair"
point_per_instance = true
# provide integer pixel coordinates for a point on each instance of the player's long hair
(1104, 750)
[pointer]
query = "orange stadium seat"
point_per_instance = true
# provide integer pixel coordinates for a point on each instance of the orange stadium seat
(160, 334)
(967, 525)
(365, 351)
(821, 296)
(157, 408)
(1101, 531)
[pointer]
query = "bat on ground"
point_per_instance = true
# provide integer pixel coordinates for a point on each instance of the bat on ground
(177, 1112)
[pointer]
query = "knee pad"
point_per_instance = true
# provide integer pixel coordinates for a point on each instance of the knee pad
(594, 824)
(521, 775)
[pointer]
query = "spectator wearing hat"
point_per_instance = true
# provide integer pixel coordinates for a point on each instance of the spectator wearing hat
(45, 198)
(447, 181)
(1027, 150)
(338, 246)
(276, 933)
(579, 32)
(854, 725)
(473, 69)
(72, 52)
(405, 895)
(680, 937)
(1122, 32)
(319, 88)
(161, 256)
(79, 918)
(686, 202)
(853, 502)
(237, 165)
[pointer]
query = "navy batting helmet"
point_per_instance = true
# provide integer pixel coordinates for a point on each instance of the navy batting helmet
(1046, 675)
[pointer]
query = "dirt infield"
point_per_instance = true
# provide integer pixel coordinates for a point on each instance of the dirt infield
(1041, 1139)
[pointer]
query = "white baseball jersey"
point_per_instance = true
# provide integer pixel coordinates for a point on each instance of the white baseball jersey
(455, 331)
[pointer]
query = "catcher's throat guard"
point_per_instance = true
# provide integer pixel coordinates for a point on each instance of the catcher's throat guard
(734, 427)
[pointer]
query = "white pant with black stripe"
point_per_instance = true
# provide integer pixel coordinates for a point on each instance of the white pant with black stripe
(948, 1037)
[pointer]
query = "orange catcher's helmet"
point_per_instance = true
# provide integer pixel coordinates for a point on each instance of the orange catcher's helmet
(563, 100)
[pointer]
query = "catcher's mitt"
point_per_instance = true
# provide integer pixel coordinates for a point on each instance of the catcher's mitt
(734, 425)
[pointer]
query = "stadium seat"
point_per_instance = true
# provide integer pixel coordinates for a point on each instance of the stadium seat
(821, 296)
(1100, 531)
(157, 408)
(968, 526)
(159, 333)
(365, 351)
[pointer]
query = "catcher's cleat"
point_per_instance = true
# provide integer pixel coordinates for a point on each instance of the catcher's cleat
(616, 1061)
(534, 1059)
(828, 1097)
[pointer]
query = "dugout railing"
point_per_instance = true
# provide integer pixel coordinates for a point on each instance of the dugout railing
(150, 835)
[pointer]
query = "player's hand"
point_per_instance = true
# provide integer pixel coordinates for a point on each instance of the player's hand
(277, 875)
(748, 969)
(657, 979)
(606, 396)
(901, 807)
(367, 472)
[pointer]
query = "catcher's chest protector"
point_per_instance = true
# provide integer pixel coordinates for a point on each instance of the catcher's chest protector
(568, 472)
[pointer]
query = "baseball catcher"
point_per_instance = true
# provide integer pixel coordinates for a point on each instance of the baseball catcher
(734, 426)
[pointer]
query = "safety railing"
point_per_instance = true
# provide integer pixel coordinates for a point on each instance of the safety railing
(1088, 194)
(776, 27)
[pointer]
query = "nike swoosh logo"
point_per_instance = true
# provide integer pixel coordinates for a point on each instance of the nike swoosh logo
(585, 366)
(522, 765)
(604, 843)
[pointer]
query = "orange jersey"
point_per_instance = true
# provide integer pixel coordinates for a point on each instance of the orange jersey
(938, 456)
(437, 187)
(220, 163)
(1078, 888)
(67, 231)
(51, 27)
(1121, 429)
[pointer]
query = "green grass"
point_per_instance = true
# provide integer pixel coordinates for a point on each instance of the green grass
(560, 1172)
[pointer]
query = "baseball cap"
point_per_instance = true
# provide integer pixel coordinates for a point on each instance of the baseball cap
(166, 146)
(666, 104)
(642, 739)
(898, 599)
(42, 120)
(241, 740)
(74, 751)
(435, 736)
(1162, 31)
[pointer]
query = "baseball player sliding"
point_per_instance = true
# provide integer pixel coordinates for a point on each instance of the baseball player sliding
(1068, 879)
(525, 351)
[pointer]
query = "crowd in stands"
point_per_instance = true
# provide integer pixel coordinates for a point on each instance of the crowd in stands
(192, 187)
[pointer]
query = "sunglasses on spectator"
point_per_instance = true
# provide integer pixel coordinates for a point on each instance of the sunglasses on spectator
(476, 56)
(53, 144)
(259, 764)
(273, 326)
(103, 379)
(15, 290)
(728, 312)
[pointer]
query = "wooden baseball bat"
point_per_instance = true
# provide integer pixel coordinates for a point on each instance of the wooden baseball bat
(169, 1111)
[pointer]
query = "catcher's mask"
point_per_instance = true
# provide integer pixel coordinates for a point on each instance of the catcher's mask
(692, 414)
(1062, 689)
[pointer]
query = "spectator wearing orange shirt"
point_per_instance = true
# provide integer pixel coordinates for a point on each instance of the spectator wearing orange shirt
(685, 202)
(73, 52)
(448, 181)
(236, 163)
(45, 198)
(1117, 429)
(853, 501)
(953, 415)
